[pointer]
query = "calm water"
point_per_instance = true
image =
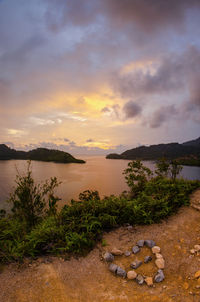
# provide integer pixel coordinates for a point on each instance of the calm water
(98, 174)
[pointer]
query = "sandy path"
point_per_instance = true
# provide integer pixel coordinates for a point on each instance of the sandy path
(88, 279)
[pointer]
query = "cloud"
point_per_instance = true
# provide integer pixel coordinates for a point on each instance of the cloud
(131, 109)
(162, 115)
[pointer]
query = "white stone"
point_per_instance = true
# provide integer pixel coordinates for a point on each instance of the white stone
(131, 275)
(160, 263)
(155, 249)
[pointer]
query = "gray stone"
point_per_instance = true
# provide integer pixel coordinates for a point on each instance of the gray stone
(149, 243)
(140, 279)
(135, 249)
(127, 253)
(159, 277)
(121, 272)
(136, 264)
(129, 228)
(113, 268)
(147, 259)
(140, 243)
(108, 257)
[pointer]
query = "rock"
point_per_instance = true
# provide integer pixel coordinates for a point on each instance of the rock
(131, 275)
(129, 228)
(185, 285)
(192, 251)
(159, 277)
(108, 257)
(149, 243)
(197, 275)
(113, 268)
(136, 264)
(159, 256)
(155, 249)
(147, 259)
(121, 272)
(135, 249)
(197, 247)
(140, 279)
(140, 243)
(127, 253)
(149, 281)
(116, 252)
(160, 263)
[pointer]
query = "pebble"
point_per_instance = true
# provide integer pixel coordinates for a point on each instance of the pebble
(149, 243)
(160, 263)
(140, 279)
(192, 251)
(147, 259)
(131, 275)
(136, 264)
(121, 272)
(185, 285)
(127, 253)
(116, 252)
(197, 274)
(197, 247)
(135, 249)
(149, 281)
(108, 257)
(140, 243)
(159, 277)
(159, 256)
(113, 268)
(155, 249)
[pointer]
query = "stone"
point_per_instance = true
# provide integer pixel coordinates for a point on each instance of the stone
(136, 264)
(131, 275)
(160, 263)
(155, 249)
(116, 252)
(149, 281)
(147, 259)
(140, 243)
(140, 279)
(185, 285)
(129, 228)
(121, 272)
(108, 257)
(135, 249)
(113, 268)
(127, 253)
(159, 256)
(149, 243)
(159, 277)
(192, 251)
(197, 275)
(197, 247)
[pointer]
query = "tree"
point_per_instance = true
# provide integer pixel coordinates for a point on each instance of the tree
(136, 176)
(163, 167)
(175, 169)
(29, 199)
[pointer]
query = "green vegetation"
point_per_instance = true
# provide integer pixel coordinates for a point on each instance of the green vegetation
(33, 229)
(187, 153)
(40, 154)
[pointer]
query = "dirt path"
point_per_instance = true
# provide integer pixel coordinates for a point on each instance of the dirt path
(88, 279)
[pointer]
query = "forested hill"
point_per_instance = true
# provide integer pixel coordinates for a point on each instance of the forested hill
(187, 153)
(40, 154)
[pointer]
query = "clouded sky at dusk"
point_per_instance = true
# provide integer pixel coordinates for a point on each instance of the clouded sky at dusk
(97, 76)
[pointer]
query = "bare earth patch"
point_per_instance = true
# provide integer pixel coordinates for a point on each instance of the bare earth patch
(88, 279)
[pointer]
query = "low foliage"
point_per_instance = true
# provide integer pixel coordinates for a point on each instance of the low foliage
(79, 225)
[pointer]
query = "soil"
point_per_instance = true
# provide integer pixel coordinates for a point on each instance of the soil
(88, 278)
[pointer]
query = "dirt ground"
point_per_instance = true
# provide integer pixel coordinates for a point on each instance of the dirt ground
(88, 279)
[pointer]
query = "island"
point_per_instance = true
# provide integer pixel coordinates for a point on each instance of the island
(187, 153)
(39, 154)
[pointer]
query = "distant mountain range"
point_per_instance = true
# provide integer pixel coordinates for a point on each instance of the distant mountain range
(40, 154)
(187, 153)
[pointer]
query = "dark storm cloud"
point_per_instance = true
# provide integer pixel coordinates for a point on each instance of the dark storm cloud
(162, 115)
(131, 109)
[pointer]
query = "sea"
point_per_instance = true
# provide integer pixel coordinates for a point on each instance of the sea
(98, 173)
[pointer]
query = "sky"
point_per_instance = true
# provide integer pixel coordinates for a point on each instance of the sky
(99, 76)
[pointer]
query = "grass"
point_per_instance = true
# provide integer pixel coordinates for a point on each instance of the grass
(79, 226)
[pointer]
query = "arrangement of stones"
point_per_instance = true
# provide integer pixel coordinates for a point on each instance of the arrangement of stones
(132, 274)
